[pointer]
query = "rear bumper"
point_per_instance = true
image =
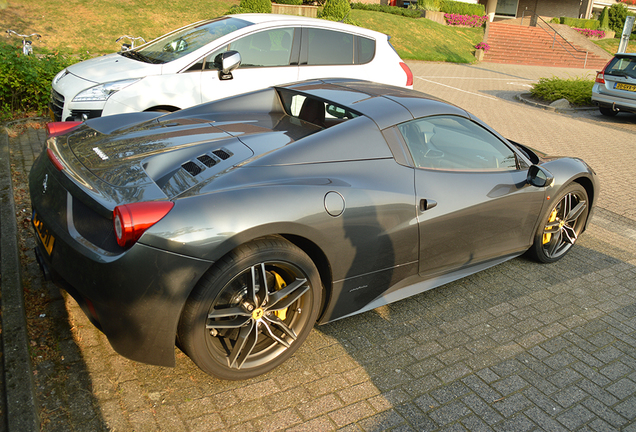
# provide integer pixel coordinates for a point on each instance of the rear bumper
(613, 102)
(136, 299)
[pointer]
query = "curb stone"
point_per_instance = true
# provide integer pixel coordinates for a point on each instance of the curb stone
(22, 414)
(525, 98)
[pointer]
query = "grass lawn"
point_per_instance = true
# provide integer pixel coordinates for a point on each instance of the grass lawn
(80, 26)
(611, 45)
(76, 26)
(423, 39)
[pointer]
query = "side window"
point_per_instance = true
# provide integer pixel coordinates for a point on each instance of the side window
(264, 49)
(366, 50)
(328, 47)
(455, 143)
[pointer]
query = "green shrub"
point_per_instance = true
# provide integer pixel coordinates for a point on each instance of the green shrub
(252, 6)
(461, 8)
(591, 24)
(555, 20)
(290, 2)
(603, 19)
(429, 5)
(410, 13)
(335, 10)
(578, 91)
(25, 81)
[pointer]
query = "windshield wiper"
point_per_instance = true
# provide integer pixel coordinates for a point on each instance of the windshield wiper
(619, 74)
(136, 55)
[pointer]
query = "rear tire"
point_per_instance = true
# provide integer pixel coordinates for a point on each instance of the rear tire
(252, 310)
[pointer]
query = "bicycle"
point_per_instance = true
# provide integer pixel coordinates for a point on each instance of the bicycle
(27, 45)
(131, 45)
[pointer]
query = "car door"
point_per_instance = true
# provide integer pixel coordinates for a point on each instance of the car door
(472, 195)
(268, 57)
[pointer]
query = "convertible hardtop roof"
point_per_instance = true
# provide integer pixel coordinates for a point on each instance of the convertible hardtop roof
(386, 105)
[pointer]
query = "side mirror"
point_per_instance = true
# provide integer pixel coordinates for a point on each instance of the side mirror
(226, 62)
(539, 176)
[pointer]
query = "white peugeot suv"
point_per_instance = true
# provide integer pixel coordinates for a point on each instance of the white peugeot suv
(216, 58)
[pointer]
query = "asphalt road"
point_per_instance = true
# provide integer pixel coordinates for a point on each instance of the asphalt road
(520, 347)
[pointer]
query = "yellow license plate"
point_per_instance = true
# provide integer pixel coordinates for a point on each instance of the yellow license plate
(51, 114)
(628, 87)
(44, 234)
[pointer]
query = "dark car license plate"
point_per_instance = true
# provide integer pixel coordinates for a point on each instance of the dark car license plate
(628, 87)
(44, 234)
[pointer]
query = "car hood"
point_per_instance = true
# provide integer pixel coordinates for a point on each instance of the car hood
(170, 154)
(112, 67)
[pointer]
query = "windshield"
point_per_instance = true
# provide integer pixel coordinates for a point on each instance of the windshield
(182, 42)
(622, 66)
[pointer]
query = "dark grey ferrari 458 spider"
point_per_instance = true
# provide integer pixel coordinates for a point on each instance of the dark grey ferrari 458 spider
(231, 228)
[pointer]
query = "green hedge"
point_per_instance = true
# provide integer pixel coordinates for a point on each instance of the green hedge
(25, 81)
(446, 6)
(591, 24)
(290, 2)
(411, 13)
(461, 8)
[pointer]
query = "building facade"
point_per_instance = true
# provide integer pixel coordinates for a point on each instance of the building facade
(502, 9)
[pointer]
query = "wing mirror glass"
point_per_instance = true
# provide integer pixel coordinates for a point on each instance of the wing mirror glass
(226, 62)
(539, 176)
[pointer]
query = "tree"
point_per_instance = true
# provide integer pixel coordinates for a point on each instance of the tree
(617, 14)
(604, 19)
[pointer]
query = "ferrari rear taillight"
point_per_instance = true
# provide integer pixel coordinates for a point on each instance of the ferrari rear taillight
(54, 129)
(54, 160)
(409, 74)
(132, 220)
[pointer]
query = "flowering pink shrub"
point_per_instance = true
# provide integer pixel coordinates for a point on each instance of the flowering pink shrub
(482, 46)
(465, 20)
(591, 33)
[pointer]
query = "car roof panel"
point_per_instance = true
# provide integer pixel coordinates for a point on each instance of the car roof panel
(386, 105)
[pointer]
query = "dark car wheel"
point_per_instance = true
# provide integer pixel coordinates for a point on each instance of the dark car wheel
(607, 111)
(562, 225)
(252, 310)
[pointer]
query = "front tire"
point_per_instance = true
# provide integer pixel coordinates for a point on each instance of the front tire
(252, 310)
(562, 225)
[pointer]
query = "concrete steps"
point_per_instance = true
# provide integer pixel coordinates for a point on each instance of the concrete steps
(514, 44)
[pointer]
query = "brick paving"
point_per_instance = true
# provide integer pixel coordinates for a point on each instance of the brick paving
(518, 347)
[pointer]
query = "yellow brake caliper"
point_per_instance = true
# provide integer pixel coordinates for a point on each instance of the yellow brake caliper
(280, 284)
(548, 236)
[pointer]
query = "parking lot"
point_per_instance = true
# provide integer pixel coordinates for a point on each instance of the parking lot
(521, 346)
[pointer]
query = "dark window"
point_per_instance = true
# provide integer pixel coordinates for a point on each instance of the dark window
(455, 143)
(622, 66)
(328, 47)
(366, 50)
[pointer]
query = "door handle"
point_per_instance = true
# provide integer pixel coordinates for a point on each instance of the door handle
(427, 204)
